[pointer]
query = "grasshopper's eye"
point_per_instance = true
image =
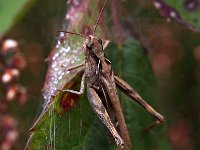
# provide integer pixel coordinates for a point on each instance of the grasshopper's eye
(89, 46)
(100, 41)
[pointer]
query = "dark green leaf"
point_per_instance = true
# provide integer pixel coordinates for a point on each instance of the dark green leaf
(132, 64)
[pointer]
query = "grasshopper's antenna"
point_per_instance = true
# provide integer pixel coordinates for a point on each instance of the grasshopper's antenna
(72, 33)
(101, 12)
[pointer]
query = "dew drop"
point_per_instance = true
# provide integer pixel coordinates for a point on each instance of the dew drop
(158, 5)
(173, 14)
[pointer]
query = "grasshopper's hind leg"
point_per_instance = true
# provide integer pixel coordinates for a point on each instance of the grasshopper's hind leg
(125, 87)
(100, 110)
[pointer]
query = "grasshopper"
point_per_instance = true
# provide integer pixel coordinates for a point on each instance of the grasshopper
(101, 80)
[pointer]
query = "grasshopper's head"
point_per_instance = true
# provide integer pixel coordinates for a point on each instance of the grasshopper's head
(93, 45)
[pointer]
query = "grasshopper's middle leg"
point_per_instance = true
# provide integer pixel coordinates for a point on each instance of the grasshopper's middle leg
(100, 110)
(81, 88)
(75, 67)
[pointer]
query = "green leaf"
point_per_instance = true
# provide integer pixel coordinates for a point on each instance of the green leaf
(185, 12)
(81, 129)
(189, 10)
(10, 12)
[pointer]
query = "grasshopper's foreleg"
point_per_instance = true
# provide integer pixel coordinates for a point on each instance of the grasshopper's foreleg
(82, 88)
(100, 110)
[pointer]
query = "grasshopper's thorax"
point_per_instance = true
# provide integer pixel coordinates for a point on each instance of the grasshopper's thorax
(92, 46)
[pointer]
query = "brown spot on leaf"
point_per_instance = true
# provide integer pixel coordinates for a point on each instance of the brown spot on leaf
(69, 100)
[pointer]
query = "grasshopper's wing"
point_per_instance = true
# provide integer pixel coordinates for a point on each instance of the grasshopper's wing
(110, 87)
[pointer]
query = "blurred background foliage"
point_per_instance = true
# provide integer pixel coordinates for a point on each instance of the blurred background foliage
(168, 31)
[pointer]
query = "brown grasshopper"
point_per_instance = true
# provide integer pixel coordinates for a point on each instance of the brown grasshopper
(100, 79)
